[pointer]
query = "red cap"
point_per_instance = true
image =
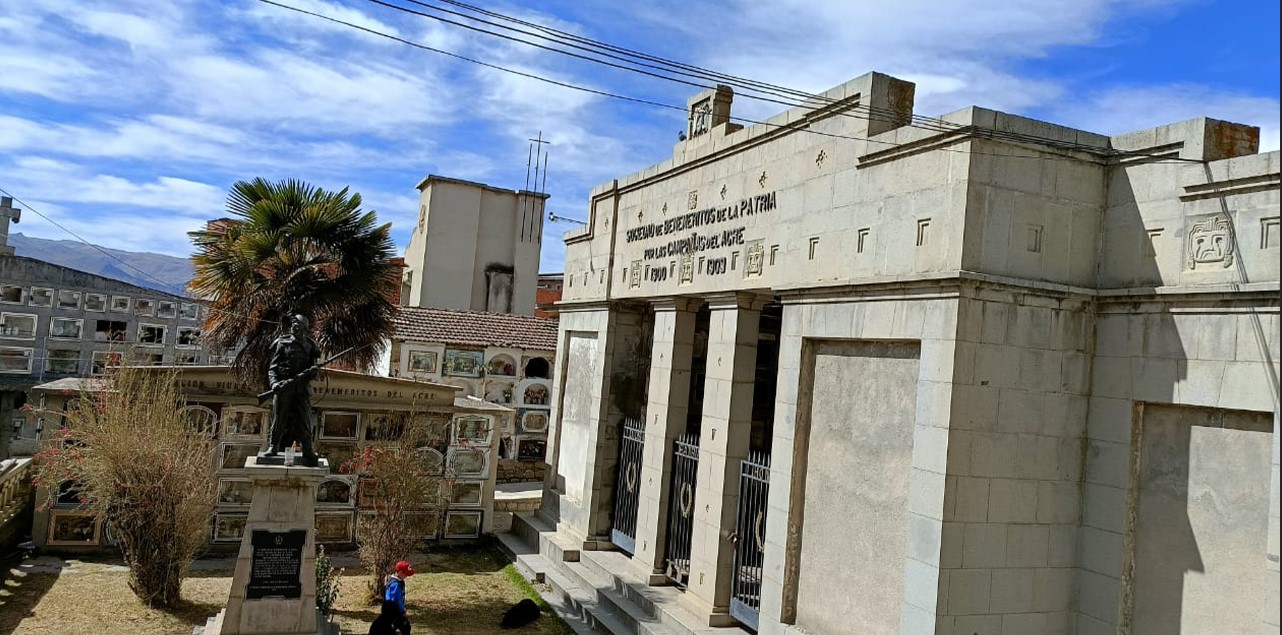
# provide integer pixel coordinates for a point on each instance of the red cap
(404, 569)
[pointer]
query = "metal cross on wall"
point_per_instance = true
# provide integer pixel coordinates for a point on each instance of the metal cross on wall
(7, 213)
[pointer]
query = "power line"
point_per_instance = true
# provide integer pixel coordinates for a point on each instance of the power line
(471, 60)
(779, 94)
(27, 206)
(803, 126)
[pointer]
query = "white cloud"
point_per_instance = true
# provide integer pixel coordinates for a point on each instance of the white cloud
(111, 210)
(145, 105)
(296, 93)
(47, 75)
(305, 24)
(1129, 109)
(173, 194)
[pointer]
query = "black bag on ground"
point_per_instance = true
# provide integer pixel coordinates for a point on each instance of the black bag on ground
(521, 614)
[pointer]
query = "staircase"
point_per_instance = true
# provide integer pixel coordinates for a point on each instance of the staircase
(15, 499)
(598, 592)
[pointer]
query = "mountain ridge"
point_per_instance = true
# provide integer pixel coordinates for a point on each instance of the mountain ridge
(145, 269)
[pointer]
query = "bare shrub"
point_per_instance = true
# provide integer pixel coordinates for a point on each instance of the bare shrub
(130, 450)
(402, 496)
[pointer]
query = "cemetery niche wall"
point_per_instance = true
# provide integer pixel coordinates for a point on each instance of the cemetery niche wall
(350, 411)
(503, 359)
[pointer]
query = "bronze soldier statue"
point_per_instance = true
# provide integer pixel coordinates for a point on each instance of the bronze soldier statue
(293, 362)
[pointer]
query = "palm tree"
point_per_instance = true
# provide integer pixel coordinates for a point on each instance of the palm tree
(289, 248)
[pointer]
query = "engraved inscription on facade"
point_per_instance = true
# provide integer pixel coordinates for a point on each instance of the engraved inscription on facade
(687, 268)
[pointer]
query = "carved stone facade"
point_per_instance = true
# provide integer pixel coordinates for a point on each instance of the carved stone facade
(966, 376)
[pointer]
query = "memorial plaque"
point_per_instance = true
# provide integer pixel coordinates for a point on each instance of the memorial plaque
(275, 564)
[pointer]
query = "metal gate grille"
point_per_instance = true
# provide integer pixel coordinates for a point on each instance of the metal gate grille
(750, 532)
(685, 467)
(627, 485)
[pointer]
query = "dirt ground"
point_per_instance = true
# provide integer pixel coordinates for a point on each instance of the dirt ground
(455, 592)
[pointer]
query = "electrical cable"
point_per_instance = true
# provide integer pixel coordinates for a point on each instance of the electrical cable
(803, 126)
(560, 37)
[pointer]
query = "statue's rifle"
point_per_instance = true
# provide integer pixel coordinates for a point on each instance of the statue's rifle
(306, 375)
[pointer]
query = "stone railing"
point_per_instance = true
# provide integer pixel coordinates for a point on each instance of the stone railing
(15, 494)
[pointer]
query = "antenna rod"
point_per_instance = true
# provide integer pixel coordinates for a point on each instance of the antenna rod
(544, 188)
(538, 154)
(528, 157)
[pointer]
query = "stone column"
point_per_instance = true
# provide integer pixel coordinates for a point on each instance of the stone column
(723, 443)
(283, 504)
(668, 402)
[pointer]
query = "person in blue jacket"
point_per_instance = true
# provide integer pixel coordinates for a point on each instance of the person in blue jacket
(396, 593)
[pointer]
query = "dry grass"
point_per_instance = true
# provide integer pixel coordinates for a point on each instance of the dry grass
(458, 592)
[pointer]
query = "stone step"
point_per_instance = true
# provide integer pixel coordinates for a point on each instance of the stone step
(659, 602)
(589, 609)
(601, 587)
(534, 531)
(649, 610)
(527, 560)
(616, 569)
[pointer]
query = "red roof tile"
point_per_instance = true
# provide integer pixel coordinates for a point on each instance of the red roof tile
(475, 328)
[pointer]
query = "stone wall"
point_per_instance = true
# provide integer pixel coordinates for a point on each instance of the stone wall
(1212, 352)
(514, 471)
(872, 491)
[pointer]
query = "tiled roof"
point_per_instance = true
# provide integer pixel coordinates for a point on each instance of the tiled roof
(474, 328)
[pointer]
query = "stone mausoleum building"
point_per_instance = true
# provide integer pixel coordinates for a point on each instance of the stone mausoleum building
(853, 371)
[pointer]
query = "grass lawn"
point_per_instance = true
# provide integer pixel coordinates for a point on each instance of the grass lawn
(455, 592)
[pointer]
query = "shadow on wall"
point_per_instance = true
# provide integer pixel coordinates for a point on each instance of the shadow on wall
(1191, 472)
(1186, 488)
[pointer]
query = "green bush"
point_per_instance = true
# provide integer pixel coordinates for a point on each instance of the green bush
(326, 582)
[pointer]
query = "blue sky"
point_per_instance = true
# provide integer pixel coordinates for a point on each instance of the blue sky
(127, 121)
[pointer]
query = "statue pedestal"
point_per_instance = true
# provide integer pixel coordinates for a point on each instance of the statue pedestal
(273, 591)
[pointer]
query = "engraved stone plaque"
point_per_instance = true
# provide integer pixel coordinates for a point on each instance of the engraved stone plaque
(276, 561)
(756, 258)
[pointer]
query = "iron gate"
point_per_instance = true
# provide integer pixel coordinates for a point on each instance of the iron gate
(685, 467)
(627, 485)
(750, 539)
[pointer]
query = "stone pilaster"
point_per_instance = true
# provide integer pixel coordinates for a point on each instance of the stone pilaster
(620, 394)
(723, 444)
(669, 398)
(1271, 619)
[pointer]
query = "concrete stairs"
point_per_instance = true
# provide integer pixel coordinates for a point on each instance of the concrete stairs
(597, 591)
